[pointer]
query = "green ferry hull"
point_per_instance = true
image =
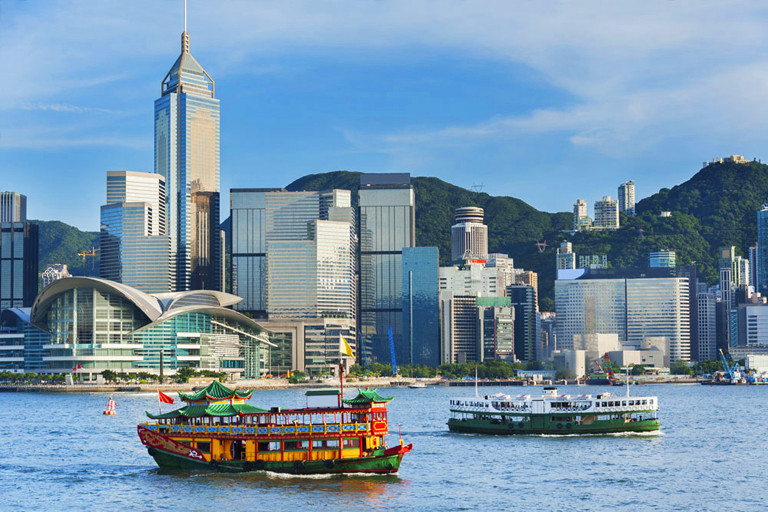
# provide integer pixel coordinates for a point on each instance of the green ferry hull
(539, 425)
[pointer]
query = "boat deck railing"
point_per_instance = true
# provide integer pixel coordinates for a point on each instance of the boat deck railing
(310, 430)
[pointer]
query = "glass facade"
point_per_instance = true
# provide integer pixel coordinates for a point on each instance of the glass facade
(658, 307)
(129, 254)
(291, 279)
(762, 250)
(386, 226)
(594, 306)
(636, 309)
(421, 304)
(18, 264)
(187, 145)
(523, 302)
(98, 325)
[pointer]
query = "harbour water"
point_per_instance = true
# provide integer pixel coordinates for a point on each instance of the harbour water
(61, 453)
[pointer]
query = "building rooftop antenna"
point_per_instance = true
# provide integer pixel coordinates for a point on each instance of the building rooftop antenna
(185, 15)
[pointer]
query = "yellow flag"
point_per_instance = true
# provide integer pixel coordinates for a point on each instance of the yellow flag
(344, 347)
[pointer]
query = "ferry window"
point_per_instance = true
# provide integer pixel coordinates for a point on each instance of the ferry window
(272, 446)
(186, 443)
(296, 445)
(325, 444)
(352, 443)
(204, 446)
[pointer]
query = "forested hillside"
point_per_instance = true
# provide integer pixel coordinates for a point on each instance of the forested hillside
(715, 207)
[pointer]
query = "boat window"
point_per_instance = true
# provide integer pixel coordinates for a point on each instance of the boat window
(296, 445)
(204, 446)
(352, 443)
(325, 444)
(271, 446)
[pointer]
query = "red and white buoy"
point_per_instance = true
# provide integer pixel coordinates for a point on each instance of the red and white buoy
(109, 410)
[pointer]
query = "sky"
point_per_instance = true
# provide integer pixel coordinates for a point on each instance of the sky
(546, 101)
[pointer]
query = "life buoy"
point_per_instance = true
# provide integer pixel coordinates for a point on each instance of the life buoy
(511, 426)
(569, 426)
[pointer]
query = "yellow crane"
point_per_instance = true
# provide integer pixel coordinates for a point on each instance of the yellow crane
(91, 254)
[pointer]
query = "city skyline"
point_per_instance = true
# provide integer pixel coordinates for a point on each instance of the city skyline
(591, 96)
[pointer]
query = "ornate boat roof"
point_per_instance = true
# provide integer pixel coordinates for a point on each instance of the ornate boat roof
(196, 411)
(367, 396)
(216, 391)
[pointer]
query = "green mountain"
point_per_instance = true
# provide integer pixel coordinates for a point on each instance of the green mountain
(716, 207)
(60, 243)
(514, 226)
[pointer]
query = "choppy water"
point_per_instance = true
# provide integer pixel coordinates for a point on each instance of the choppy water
(61, 453)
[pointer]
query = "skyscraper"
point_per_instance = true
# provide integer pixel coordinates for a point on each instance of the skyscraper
(134, 245)
(469, 236)
(13, 207)
(762, 249)
(387, 224)
(187, 156)
(421, 306)
(627, 198)
(18, 252)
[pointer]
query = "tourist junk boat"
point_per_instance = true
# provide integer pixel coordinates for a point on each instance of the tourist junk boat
(217, 430)
(551, 413)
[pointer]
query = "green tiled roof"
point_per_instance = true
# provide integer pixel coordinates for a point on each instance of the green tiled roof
(196, 411)
(366, 396)
(216, 391)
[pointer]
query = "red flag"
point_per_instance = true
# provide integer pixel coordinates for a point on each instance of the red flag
(164, 398)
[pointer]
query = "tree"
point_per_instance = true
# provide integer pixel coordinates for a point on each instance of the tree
(680, 367)
(184, 374)
(109, 375)
(638, 369)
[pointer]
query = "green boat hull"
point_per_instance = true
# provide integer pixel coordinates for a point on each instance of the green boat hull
(542, 425)
(383, 464)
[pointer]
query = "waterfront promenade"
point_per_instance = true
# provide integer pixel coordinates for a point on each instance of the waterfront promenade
(266, 384)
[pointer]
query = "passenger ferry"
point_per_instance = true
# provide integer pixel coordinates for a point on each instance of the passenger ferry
(217, 430)
(552, 413)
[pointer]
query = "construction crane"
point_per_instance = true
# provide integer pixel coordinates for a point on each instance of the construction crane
(91, 254)
(732, 372)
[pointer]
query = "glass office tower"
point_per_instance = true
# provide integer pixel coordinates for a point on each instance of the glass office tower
(387, 216)
(134, 246)
(18, 264)
(421, 307)
(187, 156)
(762, 249)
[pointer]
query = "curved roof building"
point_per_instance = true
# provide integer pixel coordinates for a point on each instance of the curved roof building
(96, 324)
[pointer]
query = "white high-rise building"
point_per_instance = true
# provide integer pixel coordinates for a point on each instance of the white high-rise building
(606, 214)
(566, 258)
(469, 236)
(580, 218)
(627, 198)
(474, 279)
(505, 264)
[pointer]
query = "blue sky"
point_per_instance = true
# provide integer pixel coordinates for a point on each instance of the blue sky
(544, 101)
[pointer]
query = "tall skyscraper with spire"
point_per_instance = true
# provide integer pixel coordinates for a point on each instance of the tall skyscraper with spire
(187, 156)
